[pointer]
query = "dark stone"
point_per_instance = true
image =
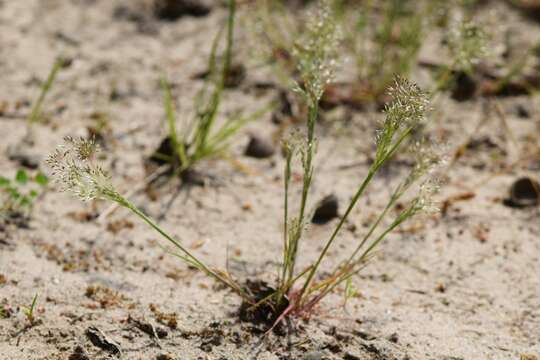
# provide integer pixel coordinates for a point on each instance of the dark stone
(327, 209)
(285, 109)
(23, 157)
(522, 111)
(394, 337)
(171, 10)
(164, 357)
(236, 75)
(79, 353)
(524, 192)
(259, 148)
(464, 87)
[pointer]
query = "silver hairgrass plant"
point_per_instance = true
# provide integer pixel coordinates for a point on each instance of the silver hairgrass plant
(298, 291)
(303, 289)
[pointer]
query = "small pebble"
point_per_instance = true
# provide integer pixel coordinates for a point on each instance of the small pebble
(394, 338)
(326, 210)
(259, 148)
(524, 192)
(464, 88)
(171, 10)
(23, 157)
(522, 111)
(79, 353)
(164, 357)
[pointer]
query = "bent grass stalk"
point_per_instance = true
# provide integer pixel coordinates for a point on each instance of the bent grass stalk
(74, 169)
(45, 88)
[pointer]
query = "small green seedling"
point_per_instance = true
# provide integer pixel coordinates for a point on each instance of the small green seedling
(17, 195)
(29, 311)
(35, 115)
(386, 46)
(200, 138)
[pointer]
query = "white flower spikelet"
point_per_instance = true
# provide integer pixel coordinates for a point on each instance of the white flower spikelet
(75, 171)
(424, 202)
(405, 113)
(316, 52)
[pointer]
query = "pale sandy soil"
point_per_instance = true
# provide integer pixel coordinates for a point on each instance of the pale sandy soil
(465, 285)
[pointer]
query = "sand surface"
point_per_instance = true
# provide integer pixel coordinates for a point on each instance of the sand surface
(463, 285)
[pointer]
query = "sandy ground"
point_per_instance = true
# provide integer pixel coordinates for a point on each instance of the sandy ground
(460, 286)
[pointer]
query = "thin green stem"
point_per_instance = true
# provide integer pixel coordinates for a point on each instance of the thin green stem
(36, 109)
(373, 170)
(359, 193)
(308, 176)
(190, 258)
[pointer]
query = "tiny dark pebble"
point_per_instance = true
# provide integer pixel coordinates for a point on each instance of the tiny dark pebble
(349, 356)
(327, 209)
(285, 109)
(100, 340)
(394, 338)
(23, 157)
(164, 357)
(522, 111)
(364, 335)
(171, 10)
(464, 87)
(79, 353)
(259, 148)
(193, 177)
(236, 75)
(524, 192)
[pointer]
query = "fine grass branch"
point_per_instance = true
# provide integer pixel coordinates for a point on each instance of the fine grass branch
(74, 169)
(35, 114)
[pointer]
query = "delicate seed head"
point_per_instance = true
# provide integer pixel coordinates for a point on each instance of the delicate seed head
(316, 52)
(424, 202)
(74, 170)
(405, 112)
